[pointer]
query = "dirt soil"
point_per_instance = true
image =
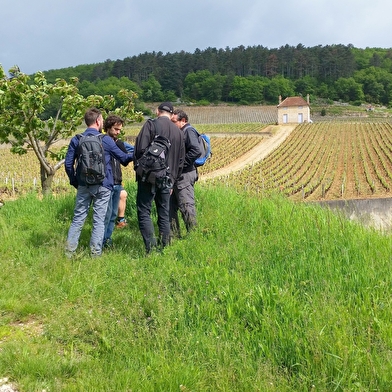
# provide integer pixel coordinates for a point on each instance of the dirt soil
(278, 133)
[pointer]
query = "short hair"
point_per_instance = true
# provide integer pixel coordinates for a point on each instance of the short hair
(112, 120)
(91, 116)
(181, 115)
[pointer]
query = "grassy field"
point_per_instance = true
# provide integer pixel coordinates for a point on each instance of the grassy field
(265, 295)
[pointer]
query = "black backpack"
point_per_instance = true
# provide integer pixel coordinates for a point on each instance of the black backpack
(152, 166)
(90, 167)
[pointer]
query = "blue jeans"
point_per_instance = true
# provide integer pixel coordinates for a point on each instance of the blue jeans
(111, 212)
(98, 196)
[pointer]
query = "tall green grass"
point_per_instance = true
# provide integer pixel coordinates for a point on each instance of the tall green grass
(265, 295)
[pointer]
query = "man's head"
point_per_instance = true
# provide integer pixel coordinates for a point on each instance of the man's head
(165, 109)
(113, 126)
(93, 119)
(180, 118)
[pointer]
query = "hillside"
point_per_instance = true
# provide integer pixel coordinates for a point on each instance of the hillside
(265, 295)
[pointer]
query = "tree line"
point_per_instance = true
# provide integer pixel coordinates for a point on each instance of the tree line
(244, 75)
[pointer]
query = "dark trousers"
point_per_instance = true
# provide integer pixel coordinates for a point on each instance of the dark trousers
(183, 199)
(146, 194)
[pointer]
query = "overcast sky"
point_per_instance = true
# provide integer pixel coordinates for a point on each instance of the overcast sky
(39, 35)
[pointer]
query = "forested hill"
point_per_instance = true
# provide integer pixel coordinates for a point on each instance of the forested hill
(253, 74)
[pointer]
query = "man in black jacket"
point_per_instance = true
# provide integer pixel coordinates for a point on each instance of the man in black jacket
(183, 196)
(159, 193)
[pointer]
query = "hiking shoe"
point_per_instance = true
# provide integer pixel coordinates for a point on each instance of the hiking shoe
(108, 243)
(69, 254)
(121, 224)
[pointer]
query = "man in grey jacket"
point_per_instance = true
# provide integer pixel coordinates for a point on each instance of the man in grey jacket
(183, 196)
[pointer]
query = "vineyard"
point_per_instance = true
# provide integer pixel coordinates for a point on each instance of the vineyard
(318, 161)
(324, 161)
(232, 114)
(20, 174)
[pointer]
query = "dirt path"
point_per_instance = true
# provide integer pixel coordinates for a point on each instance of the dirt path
(278, 134)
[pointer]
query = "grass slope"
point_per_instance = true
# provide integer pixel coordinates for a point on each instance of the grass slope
(265, 295)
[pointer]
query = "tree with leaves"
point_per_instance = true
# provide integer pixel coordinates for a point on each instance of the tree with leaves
(25, 124)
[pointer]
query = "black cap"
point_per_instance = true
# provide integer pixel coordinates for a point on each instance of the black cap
(166, 106)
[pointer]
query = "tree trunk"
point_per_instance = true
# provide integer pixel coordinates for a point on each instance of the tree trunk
(46, 180)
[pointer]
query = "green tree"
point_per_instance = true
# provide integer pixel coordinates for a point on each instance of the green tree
(23, 104)
(377, 84)
(193, 84)
(278, 86)
(305, 85)
(349, 90)
(204, 85)
(112, 85)
(248, 89)
(152, 90)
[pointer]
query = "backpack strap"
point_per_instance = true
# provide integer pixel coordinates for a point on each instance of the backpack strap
(154, 128)
(80, 135)
(194, 129)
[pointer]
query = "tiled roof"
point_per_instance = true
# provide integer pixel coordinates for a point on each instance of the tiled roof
(293, 101)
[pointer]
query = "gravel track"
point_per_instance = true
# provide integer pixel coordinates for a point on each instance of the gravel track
(278, 133)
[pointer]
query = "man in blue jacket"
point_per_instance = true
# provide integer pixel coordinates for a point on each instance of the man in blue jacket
(113, 126)
(97, 195)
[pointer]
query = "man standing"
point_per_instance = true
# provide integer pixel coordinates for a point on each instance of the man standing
(183, 196)
(159, 193)
(97, 195)
(113, 126)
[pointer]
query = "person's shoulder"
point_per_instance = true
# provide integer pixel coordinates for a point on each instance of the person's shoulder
(91, 131)
(190, 126)
(107, 139)
(186, 127)
(148, 124)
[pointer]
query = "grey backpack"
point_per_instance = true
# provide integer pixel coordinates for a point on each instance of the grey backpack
(90, 167)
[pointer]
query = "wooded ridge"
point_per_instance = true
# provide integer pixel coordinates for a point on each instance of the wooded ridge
(245, 75)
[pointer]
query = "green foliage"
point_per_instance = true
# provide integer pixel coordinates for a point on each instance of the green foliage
(349, 90)
(249, 89)
(209, 74)
(35, 114)
(204, 85)
(278, 86)
(152, 90)
(264, 295)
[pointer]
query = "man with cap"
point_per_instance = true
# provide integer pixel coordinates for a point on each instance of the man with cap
(147, 192)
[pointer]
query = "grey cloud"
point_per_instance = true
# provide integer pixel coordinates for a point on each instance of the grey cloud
(44, 35)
